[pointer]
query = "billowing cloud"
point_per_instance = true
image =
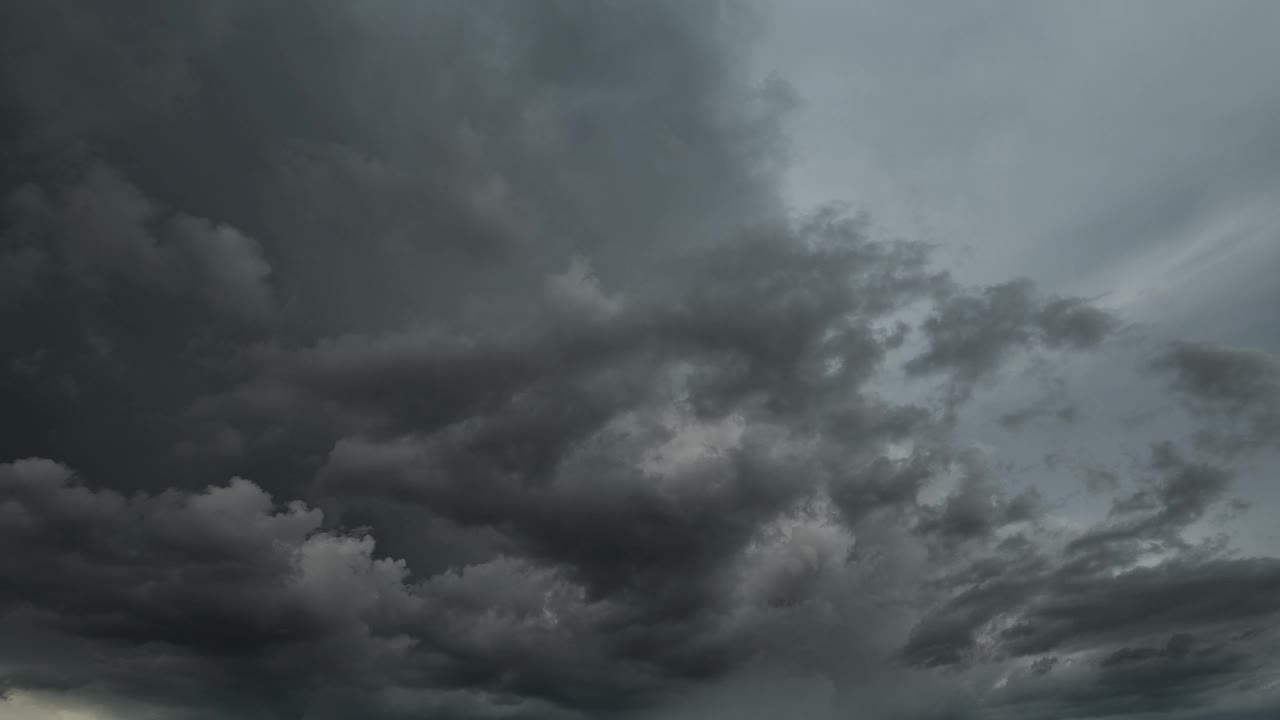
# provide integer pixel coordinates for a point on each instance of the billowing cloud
(103, 233)
(392, 360)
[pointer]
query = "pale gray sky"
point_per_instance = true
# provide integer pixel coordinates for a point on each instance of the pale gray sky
(1119, 148)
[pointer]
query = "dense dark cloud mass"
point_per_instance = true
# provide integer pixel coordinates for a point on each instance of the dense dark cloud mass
(464, 360)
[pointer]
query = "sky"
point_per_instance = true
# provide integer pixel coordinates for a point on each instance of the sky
(657, 360)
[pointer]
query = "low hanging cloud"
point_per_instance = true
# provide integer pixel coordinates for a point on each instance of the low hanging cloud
(395, 360)
(103, 233)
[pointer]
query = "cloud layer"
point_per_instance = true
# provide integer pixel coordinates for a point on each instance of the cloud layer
(396, 360)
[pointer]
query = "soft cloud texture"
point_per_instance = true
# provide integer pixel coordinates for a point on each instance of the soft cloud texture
(392, 360)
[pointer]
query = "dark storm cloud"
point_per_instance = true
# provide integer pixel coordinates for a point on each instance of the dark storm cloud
(103, 233)
(209, 575)
(361, 194)
(971, 334)
(769, 324)
(477, 242)
(882, 484)
(1213, 596)
(249, 598)
(550, 407)
(1238, 389)
(1180, 494)
(1175, 677)
(1179, 646)
(669, 431)
(1038, 609)
(76, 72)
(978, 507)
(1093, 592)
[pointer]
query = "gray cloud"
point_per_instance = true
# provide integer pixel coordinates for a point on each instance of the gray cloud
(1236, 389)
(1095, 590)
(1182, 492)
(467, 361)
(99, 234)
(971, 334)
(978, 507)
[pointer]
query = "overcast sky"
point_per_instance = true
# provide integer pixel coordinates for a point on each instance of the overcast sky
(639, 360)
(1124, 149)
